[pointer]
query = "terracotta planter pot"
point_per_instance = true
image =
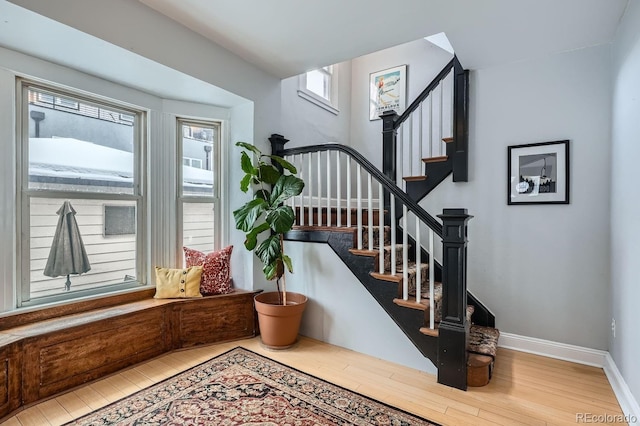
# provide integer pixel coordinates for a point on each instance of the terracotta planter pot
(279, 324)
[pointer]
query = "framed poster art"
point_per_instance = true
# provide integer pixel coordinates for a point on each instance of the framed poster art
(387, 91)
(538, 173)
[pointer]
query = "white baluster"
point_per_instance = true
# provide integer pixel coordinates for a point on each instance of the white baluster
(393, 234)
(310, 189)
(418, 262)
(319, 169)
(451, 93)
(359, 204)
(292, 203)
(339, 189)
(410, 150)
(370, 211)
(431, 280)
(440, 143)
(348, 191)
(301, 175)
(400, 159)
(420, 166)
(381, 225)
(405, 255)
(329, 188)
(431, 124)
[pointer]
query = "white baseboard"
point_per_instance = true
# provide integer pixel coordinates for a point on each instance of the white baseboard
(563, 351)
(627, 402)
(579, 355)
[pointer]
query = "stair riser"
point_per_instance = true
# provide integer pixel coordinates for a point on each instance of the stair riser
(387, 258)
(376, 236)
(413, 278)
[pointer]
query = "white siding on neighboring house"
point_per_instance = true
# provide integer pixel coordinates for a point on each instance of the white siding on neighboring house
(112, 257)
(198, 226)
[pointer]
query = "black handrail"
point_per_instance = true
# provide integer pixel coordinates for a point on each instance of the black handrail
(425, 93)
(389, 185)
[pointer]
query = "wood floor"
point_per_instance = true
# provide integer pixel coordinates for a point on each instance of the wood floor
(526, 389)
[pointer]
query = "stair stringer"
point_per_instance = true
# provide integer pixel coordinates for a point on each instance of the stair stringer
(408, 320)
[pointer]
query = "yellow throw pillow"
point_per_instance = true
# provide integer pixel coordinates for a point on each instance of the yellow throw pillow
(178, 283)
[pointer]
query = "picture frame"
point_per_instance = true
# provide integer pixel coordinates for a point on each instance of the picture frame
(538, 173)
(387, 91)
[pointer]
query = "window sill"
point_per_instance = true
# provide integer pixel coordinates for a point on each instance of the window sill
(28, 315)
(321, 102)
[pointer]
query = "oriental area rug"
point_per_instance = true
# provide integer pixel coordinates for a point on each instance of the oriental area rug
(241, 387)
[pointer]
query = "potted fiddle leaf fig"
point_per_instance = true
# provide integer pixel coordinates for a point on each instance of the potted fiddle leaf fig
(264, 220)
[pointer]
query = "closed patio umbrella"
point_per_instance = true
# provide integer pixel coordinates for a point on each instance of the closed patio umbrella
(67, 255)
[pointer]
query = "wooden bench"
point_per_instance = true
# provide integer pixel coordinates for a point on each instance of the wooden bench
(41, 358)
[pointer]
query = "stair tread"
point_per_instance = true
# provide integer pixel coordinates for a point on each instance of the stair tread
(447, 140)
(387, 277)
(433, 332)
(414, 178)
(483, 340)
(364, 252)
(435, 159)
(411, 304)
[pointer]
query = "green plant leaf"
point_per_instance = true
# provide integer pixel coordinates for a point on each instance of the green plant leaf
(247, 215)
(269, 250)
(281, 218)
(252, 237)
(244, 183)
(246, 164)
(262, 193)
(269, 174)
(250, 147)
(271, 270)
(287, 261)
(284, 163)
(286, 187)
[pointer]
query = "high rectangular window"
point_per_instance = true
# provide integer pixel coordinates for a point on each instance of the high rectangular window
(81, 197)
(198, 192)
(320, 86)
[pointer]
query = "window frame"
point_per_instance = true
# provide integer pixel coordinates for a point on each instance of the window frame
(330, 104)
(24, 194)
(217, 170)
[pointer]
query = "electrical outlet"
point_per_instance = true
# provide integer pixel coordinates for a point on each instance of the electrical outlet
(613, 327)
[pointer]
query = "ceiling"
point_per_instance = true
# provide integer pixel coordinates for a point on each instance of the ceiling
(288, 37)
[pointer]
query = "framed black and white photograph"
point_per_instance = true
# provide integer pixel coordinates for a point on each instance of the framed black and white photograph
(387, 91)
(538, 173)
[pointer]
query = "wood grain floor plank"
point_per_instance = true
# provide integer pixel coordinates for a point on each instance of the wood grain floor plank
(526, 389)
(54, 412)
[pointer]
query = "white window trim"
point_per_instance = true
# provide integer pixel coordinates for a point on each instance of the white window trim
(217, 154)
(330, 105)
(24, 193)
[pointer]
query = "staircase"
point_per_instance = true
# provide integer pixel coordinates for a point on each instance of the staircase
(373, 222)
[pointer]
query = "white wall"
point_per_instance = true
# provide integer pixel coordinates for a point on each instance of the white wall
(424, 61)
(542, 269)
(625, 203)
(306, 123)
(342, 312)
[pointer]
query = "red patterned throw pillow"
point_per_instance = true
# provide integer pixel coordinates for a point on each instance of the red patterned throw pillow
(216, 274)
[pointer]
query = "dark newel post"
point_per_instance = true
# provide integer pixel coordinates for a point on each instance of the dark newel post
(454, 328)
(389, 152)
(277, 144)
(461, 120)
